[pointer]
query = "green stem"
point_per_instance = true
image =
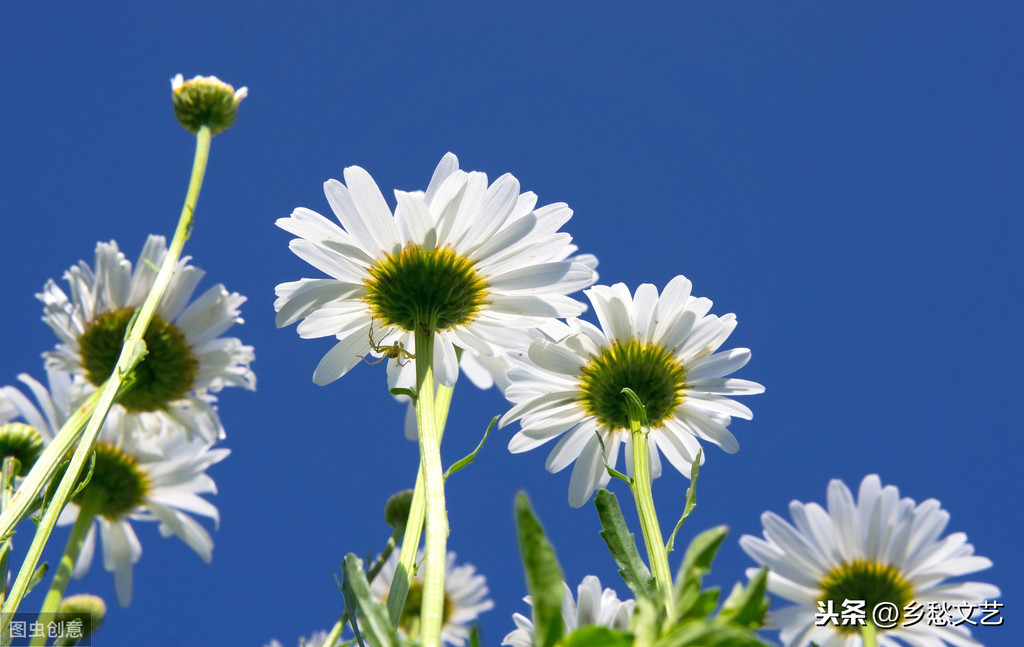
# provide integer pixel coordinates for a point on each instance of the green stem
(432, 609)
(399, 589)
(89, 506)
(657, 554)
(7, 475)
(869, 634)
(132, 352)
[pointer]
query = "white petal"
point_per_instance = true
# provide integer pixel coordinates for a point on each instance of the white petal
(345, 354)
(373, 208)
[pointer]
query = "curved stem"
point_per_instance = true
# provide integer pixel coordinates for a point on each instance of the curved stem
(132, 352)
(414, 526)
(92, 501)
(657, 554)
(432, 609)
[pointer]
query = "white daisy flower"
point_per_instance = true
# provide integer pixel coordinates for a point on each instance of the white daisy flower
(187, 358)
(595, 607)
(465, 598)
(879, 548)
(318, 639)
(475, 264)
(663, 348)
(142, 476)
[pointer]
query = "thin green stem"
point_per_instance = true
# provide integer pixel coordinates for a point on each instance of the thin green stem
(7, 474)
(132, 352)
(869, 634)
(432, 609)
(657, 554)
(15, 510)
(90, 504)
(399, 590)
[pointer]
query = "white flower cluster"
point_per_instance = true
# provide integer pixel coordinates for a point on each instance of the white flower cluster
(156, 444)
(488, 274)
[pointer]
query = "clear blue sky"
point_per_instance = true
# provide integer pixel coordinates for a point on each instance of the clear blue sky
(846, 179)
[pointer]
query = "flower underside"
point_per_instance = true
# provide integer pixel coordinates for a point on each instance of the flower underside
(871, 582)
(648, 369)
(436, 288)
(411, 611)
(117, 475)
(22, 442)
(166, 373)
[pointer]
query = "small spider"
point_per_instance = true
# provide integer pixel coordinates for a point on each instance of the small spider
(392, 351)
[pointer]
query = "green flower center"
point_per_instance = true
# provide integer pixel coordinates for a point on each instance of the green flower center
(435, 288)
(166, 373)
(868, 581)
(122, 483)
(648, 369)
(22, 442)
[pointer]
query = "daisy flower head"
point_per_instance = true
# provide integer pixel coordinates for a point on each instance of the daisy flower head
(879, 549)
(137, 476)
(592, 606)
(205, 101)
(473, 263)
(465, 598)
(187, 361)
(663, 347)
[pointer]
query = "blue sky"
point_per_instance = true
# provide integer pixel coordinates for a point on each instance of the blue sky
(846, 179)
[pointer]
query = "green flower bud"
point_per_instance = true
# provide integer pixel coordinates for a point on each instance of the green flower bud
(396, 511)
(23, 443)
(85, 612)
(205, 101)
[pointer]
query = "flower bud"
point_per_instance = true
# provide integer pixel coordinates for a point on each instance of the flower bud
(205, 101)
(23, 443)
(86, 611)
(396, 512)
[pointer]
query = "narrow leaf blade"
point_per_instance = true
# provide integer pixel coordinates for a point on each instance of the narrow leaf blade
(543, 575)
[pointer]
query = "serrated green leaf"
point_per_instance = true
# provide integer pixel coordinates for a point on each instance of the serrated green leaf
(466, 460)
(691, 500)
(597, 636)
(543, 575)
(696, 564)
(747, 605)
(622, 545)
(359, 603)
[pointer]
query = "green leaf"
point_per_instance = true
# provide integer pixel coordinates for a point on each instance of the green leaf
(596, 636)
(58, 476)
(472, 455)
(474, 636)
(614, 473)
(747, 605)
(691, 499)
(411, 393)
(696, 564)
(622, 545)
(714, 633)
(359, 602)
(37, 576)
(543, 575)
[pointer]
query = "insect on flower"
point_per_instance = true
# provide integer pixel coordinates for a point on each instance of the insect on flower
(392, 351)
